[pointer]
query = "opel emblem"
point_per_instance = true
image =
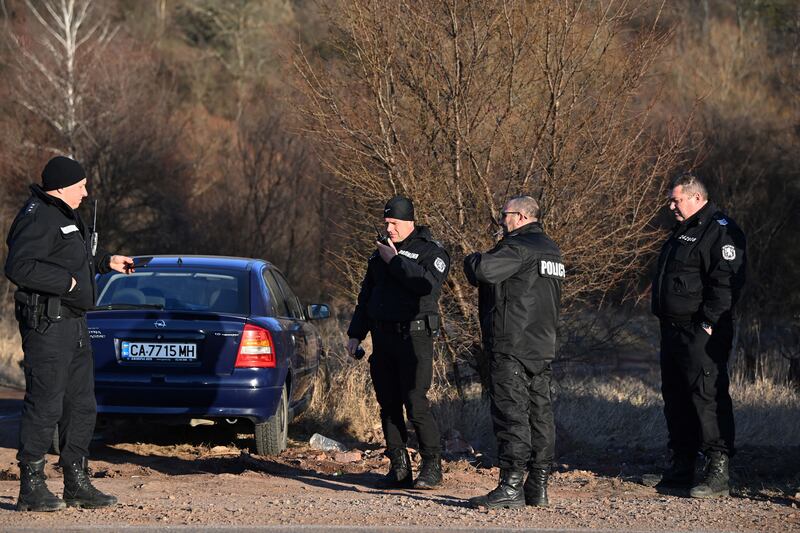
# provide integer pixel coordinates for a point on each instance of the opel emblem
(160, 324)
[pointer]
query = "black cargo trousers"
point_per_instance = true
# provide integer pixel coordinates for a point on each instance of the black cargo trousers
(59, 390)
(522, 412)
(401, 367)
(694, 385)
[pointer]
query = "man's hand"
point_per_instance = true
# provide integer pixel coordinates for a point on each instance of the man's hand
(387, 252)
(707, 328)
(352, 346)
(74, 282)
(121, 263)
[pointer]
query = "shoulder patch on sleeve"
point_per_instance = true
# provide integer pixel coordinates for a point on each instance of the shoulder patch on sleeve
(728, 252)
(722, 221)
(552, 269)
(440, 264)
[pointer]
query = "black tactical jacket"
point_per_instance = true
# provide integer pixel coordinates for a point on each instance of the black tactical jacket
(48, 245)
(701, 269)
(407, 288)
(519, 297)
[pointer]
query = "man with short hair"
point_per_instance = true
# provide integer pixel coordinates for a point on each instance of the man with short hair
(519, 302)
(398, 306)
(52, 262)
(700, 276)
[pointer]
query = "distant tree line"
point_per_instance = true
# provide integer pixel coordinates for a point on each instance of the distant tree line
(276, 128)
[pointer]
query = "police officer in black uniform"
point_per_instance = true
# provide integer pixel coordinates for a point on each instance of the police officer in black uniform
(397, 304)
(519, 301)
(51, 261)
(701, 272)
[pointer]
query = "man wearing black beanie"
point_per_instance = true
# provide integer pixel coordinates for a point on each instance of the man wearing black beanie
(52, 263)
(398, 306)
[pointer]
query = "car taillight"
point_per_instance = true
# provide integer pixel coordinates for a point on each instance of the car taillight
(256, 349)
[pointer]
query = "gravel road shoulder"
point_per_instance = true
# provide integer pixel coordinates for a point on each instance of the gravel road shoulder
(173, 483)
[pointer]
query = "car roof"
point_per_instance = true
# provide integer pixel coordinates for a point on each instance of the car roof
(202, 261)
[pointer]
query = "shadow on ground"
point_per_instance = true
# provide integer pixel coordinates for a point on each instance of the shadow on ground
(759, 473)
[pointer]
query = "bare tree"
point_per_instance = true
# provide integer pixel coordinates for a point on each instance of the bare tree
(460, 104)
(238, 35)
(53, 68)
(262, 199)
(102, 102)
(748, 152)
(137, 159)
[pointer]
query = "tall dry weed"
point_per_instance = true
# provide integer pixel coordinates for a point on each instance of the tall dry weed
(10, 354)
(599, 412)
(627, 412)
(344, 403)
(343, 400)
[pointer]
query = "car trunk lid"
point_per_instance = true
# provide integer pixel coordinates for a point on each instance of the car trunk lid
(163, 343)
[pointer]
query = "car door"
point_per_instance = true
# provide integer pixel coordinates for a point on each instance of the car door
(289, 313)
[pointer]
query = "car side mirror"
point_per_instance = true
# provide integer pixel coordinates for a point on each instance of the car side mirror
(317, 311)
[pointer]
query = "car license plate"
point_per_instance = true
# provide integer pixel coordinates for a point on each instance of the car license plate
(157, 351)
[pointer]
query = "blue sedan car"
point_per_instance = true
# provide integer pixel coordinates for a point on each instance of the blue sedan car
(205, 339)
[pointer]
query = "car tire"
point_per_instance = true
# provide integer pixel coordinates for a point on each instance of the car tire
(271, 435)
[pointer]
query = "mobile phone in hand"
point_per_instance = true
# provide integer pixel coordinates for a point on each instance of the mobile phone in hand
(139, 262)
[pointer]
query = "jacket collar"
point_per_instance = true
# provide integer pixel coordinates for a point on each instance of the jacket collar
(700, 218)
(530, 227)
(49, 199)
(420, 232)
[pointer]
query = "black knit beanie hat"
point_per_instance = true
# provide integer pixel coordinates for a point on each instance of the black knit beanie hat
(400, 208)
(61, 172)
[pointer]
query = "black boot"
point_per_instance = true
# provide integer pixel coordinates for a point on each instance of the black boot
(430, 473)
(508, 492)
(399, 475)
(535, 487)
(33, 492)
(678, 475)
(716, 481)
(78, 489)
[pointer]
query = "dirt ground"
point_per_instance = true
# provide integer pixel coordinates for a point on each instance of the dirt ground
(206, 477)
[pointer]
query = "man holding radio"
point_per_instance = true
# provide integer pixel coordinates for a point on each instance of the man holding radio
(398, 306)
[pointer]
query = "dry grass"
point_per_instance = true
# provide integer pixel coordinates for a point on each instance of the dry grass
(10, 354)
(343, 398)
(344, 402)
(627, 412)
(599, 412)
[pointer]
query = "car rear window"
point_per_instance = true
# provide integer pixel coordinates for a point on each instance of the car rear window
(218, 291)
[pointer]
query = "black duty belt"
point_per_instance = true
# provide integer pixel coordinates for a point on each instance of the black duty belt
(69, 312)
(400, 327)
(677, 320)
(65, 312)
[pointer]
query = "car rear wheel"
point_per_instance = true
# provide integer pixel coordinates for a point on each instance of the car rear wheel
(271, 435)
